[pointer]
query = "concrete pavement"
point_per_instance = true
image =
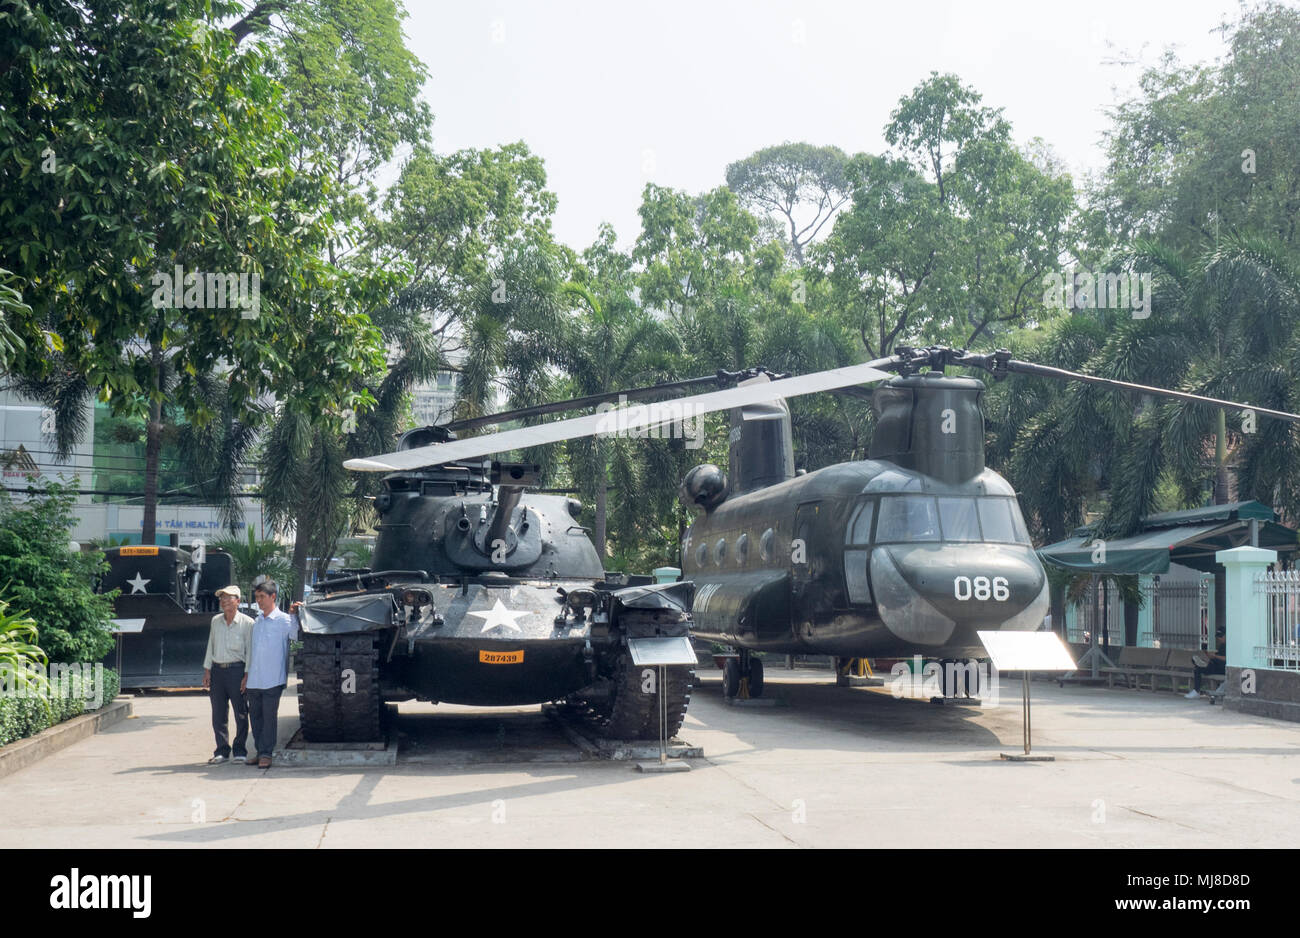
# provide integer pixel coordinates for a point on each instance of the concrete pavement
(841, 767)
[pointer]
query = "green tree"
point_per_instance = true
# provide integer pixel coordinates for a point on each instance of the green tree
(52, 584)
(803, 184)
(1204, 150)
(141, 138)
(948, 238)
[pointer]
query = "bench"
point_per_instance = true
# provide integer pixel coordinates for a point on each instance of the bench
(1135, 665)
(1179, 668)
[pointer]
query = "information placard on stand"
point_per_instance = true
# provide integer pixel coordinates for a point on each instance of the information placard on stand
(1026, 652)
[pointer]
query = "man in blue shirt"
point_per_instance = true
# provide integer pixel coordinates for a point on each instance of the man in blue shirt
(268, 669)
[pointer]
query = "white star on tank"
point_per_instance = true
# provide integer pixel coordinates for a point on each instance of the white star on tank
(137, 585)
(500, 615)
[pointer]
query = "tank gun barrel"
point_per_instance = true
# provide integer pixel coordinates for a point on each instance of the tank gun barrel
(507, 500)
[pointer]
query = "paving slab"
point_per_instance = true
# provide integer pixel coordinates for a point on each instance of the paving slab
(836, 767)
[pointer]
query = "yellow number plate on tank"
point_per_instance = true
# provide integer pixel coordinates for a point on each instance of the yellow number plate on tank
(138, 552)
(501, 657)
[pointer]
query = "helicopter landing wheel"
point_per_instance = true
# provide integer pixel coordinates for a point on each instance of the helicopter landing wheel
(755, 676)
(731, 678)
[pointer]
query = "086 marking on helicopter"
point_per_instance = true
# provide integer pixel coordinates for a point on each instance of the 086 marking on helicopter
(999, 590)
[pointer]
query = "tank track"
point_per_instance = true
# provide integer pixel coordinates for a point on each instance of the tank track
(328, 714)
(630, 713)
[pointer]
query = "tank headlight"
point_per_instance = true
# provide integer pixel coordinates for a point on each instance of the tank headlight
(416, 598)
(580, 598)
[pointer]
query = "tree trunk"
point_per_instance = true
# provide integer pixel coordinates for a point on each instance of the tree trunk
(300, 544)
(1056, 606)
(1221, 493)
(600, 519)
(152, 450)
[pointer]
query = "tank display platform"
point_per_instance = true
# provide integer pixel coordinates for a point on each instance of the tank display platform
(593, 746)
(299, 752)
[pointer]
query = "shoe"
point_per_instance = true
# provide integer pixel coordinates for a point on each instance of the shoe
(264, 762)
(251, 760)
(217, 760)
(1191, 695)
(1200, 661)
(239, 757)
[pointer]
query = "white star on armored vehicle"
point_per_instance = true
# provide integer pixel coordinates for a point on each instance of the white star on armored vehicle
(499, 615)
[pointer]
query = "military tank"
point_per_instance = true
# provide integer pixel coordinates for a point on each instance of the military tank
(482, 592)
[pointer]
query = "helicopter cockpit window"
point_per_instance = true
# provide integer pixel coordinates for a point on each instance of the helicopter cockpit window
(907, 518)
(958, 518)
(859, 531)
(1000, 518)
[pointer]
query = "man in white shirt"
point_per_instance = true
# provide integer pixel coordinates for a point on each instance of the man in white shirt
(224, 674)
(268, 669)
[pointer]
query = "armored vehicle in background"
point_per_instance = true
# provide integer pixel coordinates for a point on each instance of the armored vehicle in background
(163, 611)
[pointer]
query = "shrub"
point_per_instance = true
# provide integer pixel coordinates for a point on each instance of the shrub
(53, 584)
(25, 716)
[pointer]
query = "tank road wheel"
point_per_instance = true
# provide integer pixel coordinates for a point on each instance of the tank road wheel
(631, 710)
(755, 676)
(731, 677)
(338, 697)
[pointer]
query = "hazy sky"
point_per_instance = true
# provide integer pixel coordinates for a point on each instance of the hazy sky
(614, 95)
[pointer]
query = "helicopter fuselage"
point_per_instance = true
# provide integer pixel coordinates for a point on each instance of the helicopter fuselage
(865, 559)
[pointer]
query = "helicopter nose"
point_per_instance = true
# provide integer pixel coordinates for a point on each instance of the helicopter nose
(923, 591)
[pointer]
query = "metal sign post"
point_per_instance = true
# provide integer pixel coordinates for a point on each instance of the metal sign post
(659, 653)
(1026, 652)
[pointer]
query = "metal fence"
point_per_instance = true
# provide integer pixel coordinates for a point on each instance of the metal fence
(1178, 610)
(1179, 613)
(1282, 636)
(1086, 616)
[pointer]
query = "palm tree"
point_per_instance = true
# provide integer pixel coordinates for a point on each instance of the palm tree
(305, 488)
(1223, 325)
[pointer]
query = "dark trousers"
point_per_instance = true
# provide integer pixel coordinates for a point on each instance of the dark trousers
(225, 691)
(1215, 666)
(264, 709)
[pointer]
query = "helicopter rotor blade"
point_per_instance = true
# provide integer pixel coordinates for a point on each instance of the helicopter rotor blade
(1001, 365)
(619, 420)
(591, 400)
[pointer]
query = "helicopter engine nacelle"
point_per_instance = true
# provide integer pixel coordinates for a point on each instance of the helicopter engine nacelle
(930, 423)
(705, 487)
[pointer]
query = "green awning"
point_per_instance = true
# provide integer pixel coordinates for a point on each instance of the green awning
(1233, 511)
(1148, 552)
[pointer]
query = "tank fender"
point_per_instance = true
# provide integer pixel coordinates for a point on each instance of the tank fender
(662, 609)
(342, 615)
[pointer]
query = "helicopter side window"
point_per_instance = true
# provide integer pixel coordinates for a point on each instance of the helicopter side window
(1001, 521)
(859, 531)
(959, 519)
(720, 551)
(701, 555)
(1018, 520)
(766, 544)
(742, 550)
(907, 518)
